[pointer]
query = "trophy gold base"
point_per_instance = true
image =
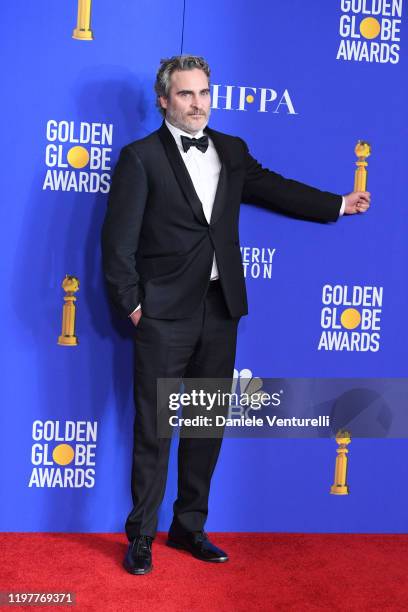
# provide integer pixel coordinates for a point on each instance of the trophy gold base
(82, 34)
(68, 340)
(339, 490)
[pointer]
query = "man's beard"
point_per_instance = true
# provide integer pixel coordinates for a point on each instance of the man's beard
(178, 119)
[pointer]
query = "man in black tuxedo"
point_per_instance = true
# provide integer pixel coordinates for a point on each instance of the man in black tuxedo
(172, 263)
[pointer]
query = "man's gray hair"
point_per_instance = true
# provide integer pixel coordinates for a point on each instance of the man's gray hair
(170, 65)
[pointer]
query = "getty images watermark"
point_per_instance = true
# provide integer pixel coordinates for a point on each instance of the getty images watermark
(211, 408)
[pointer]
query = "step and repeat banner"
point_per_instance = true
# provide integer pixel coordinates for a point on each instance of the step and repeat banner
(302, 83)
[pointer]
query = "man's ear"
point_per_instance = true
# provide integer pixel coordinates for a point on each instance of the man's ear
(163, 102)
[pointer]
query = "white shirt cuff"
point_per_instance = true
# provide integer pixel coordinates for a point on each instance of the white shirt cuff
(137, 308)
(343, 206)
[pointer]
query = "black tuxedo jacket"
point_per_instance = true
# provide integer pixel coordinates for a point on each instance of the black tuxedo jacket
(157, 247)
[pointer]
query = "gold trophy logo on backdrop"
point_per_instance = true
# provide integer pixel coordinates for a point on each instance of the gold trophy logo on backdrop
(83, 28)
(70, 284)
(362, 150)
(340, 486)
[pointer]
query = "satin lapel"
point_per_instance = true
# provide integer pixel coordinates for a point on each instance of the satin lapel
(220, 199)
(181, 173)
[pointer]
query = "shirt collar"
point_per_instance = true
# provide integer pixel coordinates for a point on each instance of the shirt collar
(177, 133)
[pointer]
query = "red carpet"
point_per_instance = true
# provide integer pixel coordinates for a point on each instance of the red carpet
(266, 572)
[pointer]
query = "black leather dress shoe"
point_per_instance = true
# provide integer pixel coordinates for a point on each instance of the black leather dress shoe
(198, 544)
(138, 558)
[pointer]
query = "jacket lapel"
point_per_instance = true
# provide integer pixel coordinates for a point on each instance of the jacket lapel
(222, 187)
(181, 173)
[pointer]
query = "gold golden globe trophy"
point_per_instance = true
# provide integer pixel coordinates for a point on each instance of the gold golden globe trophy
(340, 486)
(70, 284)
(83, 29)
(362, 150)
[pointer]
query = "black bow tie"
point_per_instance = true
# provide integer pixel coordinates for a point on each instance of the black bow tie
(200, 143)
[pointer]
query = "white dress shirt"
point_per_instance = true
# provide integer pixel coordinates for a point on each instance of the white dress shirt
(204, 170)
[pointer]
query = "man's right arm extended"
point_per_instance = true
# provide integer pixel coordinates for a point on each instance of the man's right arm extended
(121, 230)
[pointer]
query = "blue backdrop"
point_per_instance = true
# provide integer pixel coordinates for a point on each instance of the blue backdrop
(301, 83)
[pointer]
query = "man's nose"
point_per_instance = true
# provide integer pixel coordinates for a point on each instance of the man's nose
(195, 101)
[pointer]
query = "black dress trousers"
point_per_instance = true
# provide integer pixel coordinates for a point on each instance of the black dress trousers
(201, 346)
